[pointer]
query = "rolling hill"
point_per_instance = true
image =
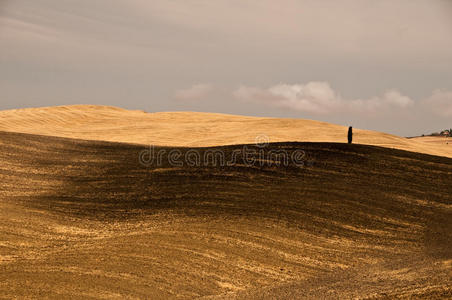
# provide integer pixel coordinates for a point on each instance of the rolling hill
(89, 219)
(114, 124)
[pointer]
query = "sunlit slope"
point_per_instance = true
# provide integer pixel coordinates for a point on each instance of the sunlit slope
(190, 128)
(437, 141)
(81, 219)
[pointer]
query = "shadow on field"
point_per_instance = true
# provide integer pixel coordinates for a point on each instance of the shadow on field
(363, 186)
(378, 197)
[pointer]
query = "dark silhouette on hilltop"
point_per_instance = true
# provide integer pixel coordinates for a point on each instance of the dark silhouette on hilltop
(350, 134)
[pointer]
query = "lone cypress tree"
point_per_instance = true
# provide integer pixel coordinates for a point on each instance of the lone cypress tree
(350, 134)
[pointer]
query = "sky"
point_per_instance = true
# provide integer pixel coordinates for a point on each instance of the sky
(382, 65)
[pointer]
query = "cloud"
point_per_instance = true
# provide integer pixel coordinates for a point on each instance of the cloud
(390, 99)
(316, 97)
(320, 98)
(440, 103)
(196, 92)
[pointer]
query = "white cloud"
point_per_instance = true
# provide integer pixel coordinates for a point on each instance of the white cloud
(440, 102)
(390, 99)
(316, 97)
(196, 92)
(319, 97)
(393, 97)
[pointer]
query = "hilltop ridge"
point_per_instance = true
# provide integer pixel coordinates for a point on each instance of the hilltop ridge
(191, 129)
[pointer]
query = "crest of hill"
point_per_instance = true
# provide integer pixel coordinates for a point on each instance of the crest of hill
(108, 123)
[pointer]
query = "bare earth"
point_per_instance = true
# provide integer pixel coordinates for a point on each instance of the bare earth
(114, 124)
(82, 218)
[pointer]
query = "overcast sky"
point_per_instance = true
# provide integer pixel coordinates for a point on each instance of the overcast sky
(384, 65)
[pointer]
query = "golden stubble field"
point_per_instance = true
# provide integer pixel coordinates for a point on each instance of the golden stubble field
(85, 219)
(193, 129)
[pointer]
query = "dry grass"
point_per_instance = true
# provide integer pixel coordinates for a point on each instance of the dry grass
(441, 141)
(191, 129)
(83, 219)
